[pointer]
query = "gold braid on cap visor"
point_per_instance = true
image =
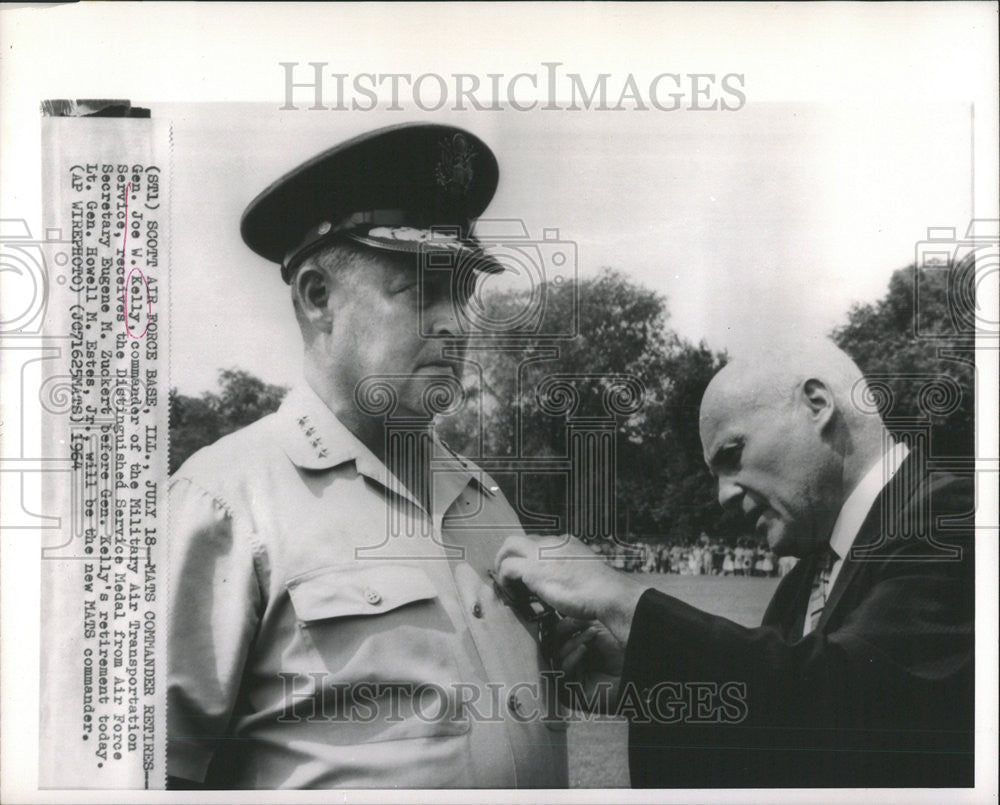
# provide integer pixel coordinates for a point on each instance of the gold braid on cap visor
(384, 229)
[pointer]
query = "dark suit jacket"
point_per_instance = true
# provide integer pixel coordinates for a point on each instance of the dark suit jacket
(880, 694)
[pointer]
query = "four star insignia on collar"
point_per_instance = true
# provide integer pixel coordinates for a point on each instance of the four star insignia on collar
(308, 430)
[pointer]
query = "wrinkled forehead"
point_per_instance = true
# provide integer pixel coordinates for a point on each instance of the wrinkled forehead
(430, 285)
(377, 267)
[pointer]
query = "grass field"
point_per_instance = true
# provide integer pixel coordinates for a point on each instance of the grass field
(598, 752)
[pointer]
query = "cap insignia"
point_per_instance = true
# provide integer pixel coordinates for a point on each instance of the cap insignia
(454, 168)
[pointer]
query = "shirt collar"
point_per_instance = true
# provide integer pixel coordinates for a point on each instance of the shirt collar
(859, 502)
(315, 439)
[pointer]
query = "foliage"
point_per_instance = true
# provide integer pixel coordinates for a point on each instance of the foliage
(199, 421)
(662, 486)
(919, 333)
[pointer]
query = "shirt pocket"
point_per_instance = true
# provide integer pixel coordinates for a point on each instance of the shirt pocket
(350, 590)
(377, 644)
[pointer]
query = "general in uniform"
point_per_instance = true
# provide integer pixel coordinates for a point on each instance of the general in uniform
(332, 620)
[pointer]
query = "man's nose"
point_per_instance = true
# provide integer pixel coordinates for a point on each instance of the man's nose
(729, 494)
(443, 319)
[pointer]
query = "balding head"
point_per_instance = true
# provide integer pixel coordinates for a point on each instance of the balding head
(773, 379)
(783, 434)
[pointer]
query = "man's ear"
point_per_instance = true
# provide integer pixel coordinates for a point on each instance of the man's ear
(312, 288)
(819, 400)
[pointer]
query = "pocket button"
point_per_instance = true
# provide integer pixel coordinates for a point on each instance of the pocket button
(373, 597)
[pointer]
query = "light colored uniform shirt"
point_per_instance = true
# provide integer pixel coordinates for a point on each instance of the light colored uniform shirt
(855, 510)
(334, 633)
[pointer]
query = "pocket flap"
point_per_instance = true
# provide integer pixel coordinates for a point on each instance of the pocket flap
(348, 590)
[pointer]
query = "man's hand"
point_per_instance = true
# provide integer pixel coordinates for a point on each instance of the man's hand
(568, 576)
(592, 659)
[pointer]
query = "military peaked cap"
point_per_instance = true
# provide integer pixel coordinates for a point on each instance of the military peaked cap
(404, 188)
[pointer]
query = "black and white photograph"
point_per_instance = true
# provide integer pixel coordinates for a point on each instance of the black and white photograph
(516, 402)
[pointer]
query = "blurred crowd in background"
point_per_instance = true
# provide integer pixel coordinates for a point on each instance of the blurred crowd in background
(701, 556)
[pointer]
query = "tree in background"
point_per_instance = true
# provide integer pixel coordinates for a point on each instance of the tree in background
(663, 488)
(519, 409)
(678, 497)
(199, 421)
(917, 344)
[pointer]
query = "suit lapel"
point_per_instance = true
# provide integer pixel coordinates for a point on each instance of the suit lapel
(787, 608)
(893, 496)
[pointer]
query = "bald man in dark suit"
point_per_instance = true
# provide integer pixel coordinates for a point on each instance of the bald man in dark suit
(861, 673)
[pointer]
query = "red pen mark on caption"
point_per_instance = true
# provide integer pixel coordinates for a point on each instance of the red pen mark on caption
(133, 293)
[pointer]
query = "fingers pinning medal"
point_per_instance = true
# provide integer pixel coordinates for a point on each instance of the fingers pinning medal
(540, 619)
